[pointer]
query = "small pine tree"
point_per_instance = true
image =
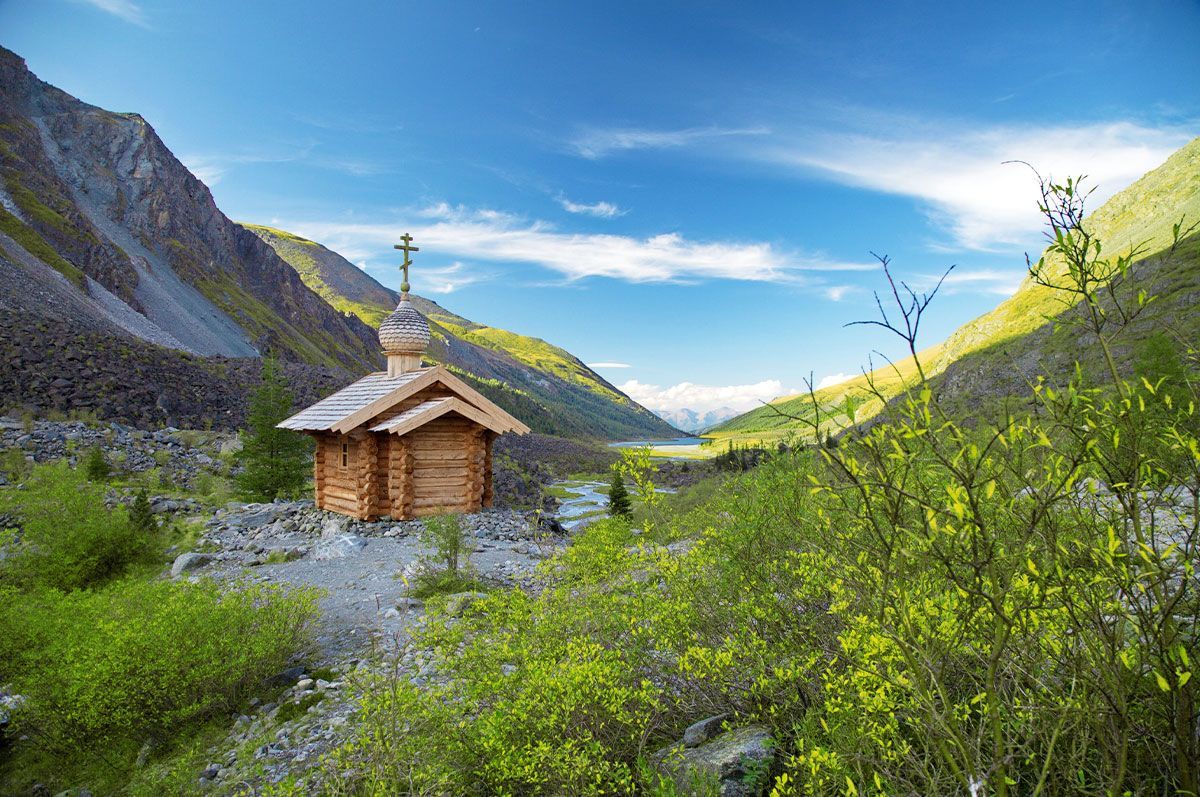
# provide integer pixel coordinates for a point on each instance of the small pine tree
(95, 465)
(618, 497)
(275, 461)
(141, 516)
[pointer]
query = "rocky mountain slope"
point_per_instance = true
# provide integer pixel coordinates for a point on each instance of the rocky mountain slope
(995, 355)
(541, 383)
(100, 198)
(121, 280)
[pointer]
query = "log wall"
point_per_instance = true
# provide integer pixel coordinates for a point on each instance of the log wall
(447, 464)
(444, 466)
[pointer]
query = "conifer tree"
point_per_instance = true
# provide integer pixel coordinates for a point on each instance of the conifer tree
(618, 497)
(141, 516)
(275, 461)
(96, 466)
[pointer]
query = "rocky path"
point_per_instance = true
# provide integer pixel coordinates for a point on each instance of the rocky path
(364, 571)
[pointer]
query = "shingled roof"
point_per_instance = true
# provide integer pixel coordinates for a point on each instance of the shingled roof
(360, 402)
(426, 411)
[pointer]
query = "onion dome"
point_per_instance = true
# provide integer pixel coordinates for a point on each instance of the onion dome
(405, 330)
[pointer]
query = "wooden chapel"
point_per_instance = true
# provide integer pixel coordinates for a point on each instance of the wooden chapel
(406, 442)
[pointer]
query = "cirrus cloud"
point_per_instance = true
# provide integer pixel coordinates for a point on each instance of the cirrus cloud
(597, 143)
(495, 236)
(601, 210)
(960, 173)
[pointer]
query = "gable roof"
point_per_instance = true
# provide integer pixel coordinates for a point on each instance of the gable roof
(358, 403)
(426, 411)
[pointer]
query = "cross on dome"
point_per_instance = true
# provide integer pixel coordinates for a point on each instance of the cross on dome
(406, 247)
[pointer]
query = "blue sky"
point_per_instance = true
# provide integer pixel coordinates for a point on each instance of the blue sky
(691, 190)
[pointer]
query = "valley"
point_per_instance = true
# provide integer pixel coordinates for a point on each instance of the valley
(273, 527)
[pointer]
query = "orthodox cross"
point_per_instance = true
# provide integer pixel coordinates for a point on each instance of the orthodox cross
(406, 247)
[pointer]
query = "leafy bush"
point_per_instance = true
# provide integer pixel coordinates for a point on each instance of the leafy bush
(928, 607)
(444, 533)
(67, 538)
(144, 659)
(13, 464)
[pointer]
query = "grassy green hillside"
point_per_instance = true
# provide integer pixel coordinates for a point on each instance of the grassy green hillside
(544, 385)
(349, 291)
(990, 357)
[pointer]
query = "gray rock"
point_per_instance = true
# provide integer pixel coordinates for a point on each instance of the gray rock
(702, 731)
(334, 527)
(458, 603)
(187, 562)
(338, 548)
(735, 764)
(286, 677)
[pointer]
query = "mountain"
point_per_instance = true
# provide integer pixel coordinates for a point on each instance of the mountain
(690, 420)
(544, 385)
(995, 356)
(100, 198)
(125, 291)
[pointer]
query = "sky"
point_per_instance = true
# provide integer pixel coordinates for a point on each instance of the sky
(687, 196)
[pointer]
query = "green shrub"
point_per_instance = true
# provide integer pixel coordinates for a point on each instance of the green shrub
(95, 465)
(442, 582)
(445, 534)
(13, 464)
(67, 538)
(145, 659)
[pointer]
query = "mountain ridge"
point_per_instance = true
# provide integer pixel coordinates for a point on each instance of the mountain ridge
(100, 221)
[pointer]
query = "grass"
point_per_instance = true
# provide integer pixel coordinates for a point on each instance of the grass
(302, 255)
(37, 246)
(442, 582)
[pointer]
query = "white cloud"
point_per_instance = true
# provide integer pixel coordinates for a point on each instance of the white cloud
(835, 293)
(206, 170)
(491, 235)
(702, 398)
(960, 175)
(833, 379)
(212, 168)
(1000, 283)
(448, 278)
(601, 210)
(597, 143)
(608, 365)
(125, 9)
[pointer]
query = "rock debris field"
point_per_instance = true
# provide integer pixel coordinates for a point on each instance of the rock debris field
(363, 568)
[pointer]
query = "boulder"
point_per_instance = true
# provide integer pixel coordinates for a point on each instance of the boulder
(187, 562)
(734, 764)
(339, 548)
(458, 603)
(702, 731)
